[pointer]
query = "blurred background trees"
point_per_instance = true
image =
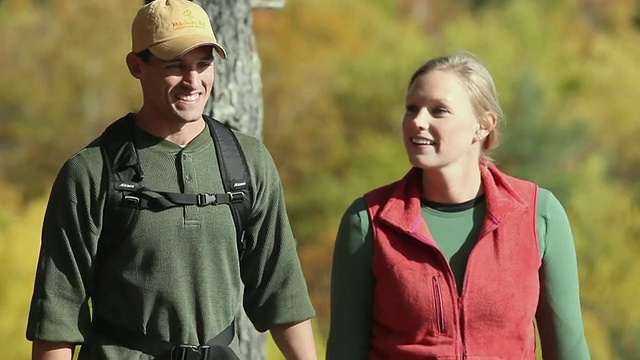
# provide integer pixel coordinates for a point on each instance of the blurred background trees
(334, 78)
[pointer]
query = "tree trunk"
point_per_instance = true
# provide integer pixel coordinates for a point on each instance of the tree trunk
(237, 101)
(237, 98)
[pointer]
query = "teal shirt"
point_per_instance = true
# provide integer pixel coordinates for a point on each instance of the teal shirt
(559, 317)
(178, 276)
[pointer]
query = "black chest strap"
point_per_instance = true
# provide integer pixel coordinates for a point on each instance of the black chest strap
(160, 200)
(127, 195)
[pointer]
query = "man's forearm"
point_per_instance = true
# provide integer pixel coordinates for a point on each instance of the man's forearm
(295, 340)
(45, 350)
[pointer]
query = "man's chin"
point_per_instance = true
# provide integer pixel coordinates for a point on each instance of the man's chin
(189, 116)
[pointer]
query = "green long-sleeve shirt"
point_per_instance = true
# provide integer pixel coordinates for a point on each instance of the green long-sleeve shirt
(455, 230)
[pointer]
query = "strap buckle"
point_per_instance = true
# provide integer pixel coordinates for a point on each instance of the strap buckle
(205, 199)
(237, 196)
(190, 352)
(131, 201)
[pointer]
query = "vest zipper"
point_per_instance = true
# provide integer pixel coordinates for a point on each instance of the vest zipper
(439, 305)
(448, 273)
(463, 348)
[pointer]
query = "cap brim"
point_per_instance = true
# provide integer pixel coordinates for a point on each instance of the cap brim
(175, 48)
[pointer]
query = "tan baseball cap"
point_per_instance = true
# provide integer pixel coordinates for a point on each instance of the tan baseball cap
(171, 28)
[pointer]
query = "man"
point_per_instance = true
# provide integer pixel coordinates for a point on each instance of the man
(173, 287)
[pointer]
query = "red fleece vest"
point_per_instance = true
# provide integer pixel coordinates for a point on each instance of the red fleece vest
(417, 312)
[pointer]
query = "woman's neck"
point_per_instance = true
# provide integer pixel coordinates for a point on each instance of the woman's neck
(451, 186)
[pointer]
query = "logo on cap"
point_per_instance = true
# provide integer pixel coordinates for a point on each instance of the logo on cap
(189, 22)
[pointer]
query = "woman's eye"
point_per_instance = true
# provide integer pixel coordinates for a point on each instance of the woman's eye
(439, 111)
(410, 108)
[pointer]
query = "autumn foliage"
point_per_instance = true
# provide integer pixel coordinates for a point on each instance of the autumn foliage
(334, 75)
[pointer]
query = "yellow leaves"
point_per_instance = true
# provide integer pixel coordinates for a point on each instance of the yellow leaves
(614, 16)
(609, 96)
(67, 80)
(606, 225)
(19, 248)
(595, 329)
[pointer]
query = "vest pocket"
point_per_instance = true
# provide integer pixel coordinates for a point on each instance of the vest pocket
(439, 305)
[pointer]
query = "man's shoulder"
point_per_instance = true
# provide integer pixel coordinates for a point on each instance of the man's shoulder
(85, 158)
(249, 144)
(82, 170)
(256, 153)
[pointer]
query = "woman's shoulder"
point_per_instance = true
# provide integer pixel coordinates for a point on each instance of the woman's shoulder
(357, 208)
(356, 216)
(548, 204)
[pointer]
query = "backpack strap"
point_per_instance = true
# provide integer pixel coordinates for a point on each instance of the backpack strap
(235, 176)
(126, 194)
(123, 174)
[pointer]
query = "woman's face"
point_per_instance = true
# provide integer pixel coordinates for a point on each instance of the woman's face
(440, 124)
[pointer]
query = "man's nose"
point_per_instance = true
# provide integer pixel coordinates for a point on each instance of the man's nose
(191, 78)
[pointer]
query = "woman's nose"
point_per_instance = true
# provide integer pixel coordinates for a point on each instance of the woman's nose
(422, 118)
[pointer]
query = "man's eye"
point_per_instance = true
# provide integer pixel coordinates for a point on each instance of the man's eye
(411, 109)
(204, 65)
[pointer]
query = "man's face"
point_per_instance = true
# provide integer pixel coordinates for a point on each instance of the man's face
(177, 90)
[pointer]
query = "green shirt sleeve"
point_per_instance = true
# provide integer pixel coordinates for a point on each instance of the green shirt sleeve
(352, 287)
(59, 309)
(275, 288)
(559, 316)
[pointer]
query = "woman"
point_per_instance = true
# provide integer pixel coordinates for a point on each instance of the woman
(457, 259)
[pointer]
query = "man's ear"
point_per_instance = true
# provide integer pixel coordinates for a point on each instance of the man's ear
(134, 63)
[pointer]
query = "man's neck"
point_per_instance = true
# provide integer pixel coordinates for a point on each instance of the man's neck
(175, 131)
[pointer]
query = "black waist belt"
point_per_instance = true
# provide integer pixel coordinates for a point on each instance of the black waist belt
(214, 349)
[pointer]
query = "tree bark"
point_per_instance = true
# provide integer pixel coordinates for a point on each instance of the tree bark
(237, 98)
(237, 101)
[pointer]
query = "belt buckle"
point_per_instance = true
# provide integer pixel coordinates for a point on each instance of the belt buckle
(190, 352)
